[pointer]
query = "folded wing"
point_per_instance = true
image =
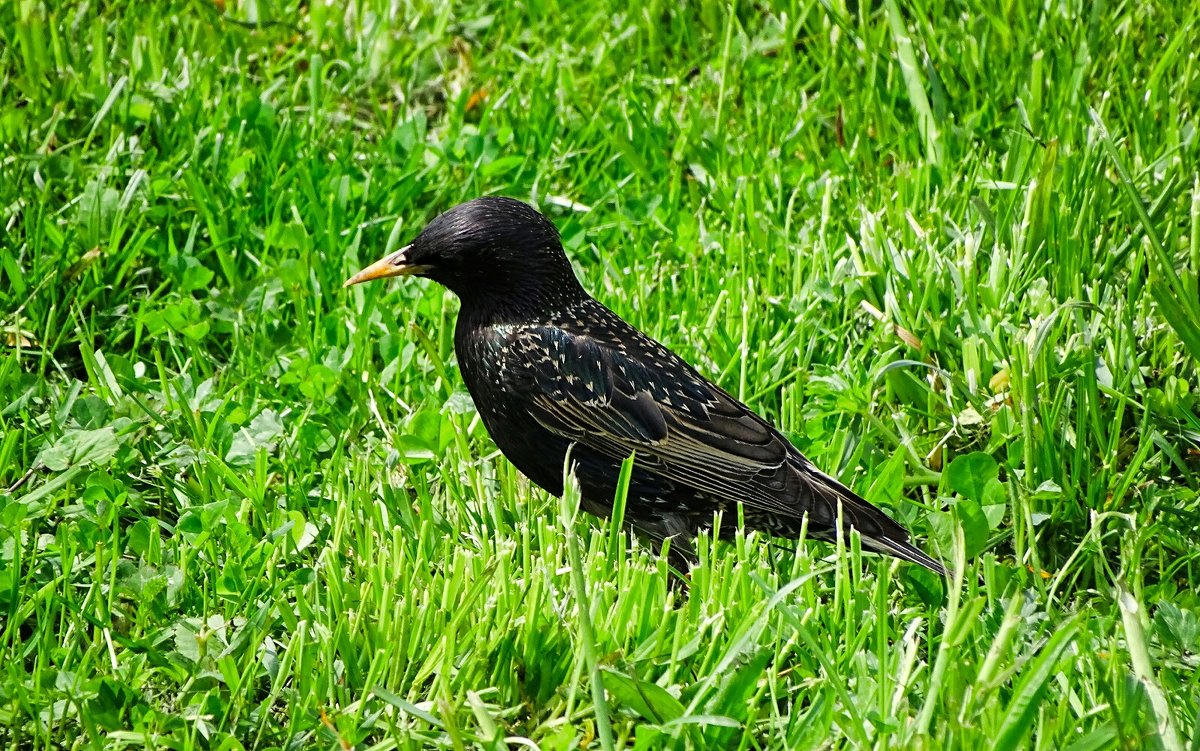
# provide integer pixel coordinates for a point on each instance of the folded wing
(623, 394)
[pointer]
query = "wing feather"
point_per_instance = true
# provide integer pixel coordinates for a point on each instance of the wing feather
(618, 392)
(686, 430)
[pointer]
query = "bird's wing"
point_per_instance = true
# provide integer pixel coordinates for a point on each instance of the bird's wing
(623, 394)
(636, 396)
(617, 392)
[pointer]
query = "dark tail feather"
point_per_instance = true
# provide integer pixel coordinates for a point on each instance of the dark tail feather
(879, 532)
(905, 552)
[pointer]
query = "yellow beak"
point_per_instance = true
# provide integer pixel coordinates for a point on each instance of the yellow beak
(394, 264)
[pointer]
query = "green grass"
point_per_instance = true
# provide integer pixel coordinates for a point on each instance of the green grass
(951, 250)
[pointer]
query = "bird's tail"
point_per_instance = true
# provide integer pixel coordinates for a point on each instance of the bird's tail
(905, 551)
(879, 532)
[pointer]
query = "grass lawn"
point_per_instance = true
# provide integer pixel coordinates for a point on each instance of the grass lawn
(950, 249)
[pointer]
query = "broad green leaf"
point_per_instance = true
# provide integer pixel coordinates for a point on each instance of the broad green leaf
(649, 700)
(1177, 626)
(77, 448)
(413, 450)
(262, 432)
(976, 476)
(974, 525)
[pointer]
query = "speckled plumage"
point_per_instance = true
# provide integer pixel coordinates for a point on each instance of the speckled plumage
(548, 366)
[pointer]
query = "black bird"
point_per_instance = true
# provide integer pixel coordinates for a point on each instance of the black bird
(551, 369)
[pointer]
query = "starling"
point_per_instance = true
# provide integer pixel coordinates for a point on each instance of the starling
(551, 369)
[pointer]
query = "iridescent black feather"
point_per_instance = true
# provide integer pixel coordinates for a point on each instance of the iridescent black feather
(550, 368)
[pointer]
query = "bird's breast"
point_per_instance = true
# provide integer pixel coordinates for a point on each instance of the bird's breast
(489, 358)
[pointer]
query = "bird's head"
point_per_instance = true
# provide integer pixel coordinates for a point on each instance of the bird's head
(489, 250)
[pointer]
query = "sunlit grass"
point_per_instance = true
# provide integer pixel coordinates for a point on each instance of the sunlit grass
(951, 252)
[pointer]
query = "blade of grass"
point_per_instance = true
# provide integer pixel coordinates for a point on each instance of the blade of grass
(1181, 310)
(915, 84)
(586, 639)
(1022, 708)
(1139, 657)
